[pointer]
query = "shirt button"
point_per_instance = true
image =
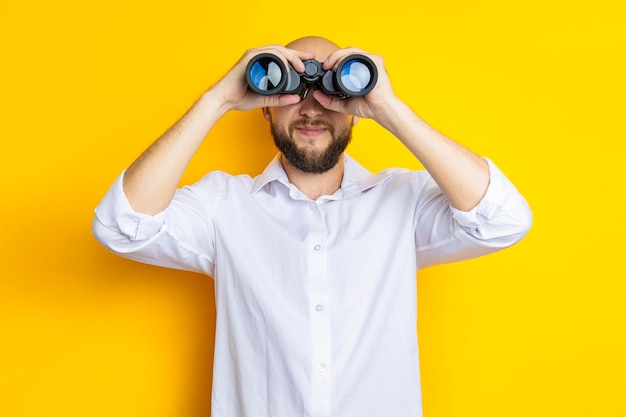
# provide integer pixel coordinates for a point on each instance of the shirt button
(317, 248)
(319, 307)
(321, 367)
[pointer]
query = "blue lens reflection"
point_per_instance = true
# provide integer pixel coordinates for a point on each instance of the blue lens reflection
(355, 76)
(265, 75)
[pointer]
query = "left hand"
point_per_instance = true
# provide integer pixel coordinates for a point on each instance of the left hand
(369, 105)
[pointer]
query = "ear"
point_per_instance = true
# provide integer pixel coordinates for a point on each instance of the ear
(355, 120)
(266, 114)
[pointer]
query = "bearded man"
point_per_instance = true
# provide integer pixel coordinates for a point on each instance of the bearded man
(315, 260)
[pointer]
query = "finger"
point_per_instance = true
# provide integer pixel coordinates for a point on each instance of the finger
(330, 103)
(296, 58)
(288, 56)
(279, 100)
(333, 60)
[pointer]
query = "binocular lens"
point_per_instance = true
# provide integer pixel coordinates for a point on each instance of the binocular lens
(356, 77)
(266, 75)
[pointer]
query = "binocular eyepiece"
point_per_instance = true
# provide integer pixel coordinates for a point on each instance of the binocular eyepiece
(267, 75)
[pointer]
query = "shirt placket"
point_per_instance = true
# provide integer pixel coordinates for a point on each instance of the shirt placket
(319, 310)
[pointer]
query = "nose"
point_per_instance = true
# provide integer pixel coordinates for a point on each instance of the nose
(309, 107)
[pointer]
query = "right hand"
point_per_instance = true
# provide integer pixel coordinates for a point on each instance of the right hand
(233, 91)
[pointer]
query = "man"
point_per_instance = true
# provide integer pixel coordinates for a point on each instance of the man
(314, 260)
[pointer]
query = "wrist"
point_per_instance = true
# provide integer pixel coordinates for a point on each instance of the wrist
(213, 103)
(393, 114)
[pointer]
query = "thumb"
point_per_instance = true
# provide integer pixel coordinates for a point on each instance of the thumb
(338, 104)
(329, 102)
(279, 100)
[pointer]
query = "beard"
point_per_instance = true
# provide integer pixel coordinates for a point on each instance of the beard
(308, 161)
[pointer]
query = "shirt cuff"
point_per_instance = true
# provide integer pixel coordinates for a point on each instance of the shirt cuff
(115, 212)
(499, 191)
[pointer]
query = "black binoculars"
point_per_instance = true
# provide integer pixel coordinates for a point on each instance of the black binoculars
(356, 75)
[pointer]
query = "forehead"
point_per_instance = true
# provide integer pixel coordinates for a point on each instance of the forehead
(319, 46)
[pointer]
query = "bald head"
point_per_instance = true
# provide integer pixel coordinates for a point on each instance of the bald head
(321, 47)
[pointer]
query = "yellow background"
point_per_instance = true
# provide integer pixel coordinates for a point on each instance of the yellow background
(538, 86)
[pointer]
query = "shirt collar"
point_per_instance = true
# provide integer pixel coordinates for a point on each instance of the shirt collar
(356, 178)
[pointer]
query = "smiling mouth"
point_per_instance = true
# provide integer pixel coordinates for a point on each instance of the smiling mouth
(311, 130)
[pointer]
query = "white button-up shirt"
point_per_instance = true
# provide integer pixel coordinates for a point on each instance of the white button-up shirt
(316, 300)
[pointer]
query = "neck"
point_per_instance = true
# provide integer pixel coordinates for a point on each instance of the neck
(314, 185)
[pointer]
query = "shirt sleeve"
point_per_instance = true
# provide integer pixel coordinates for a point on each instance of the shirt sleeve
(180, 237)
(444, 234)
